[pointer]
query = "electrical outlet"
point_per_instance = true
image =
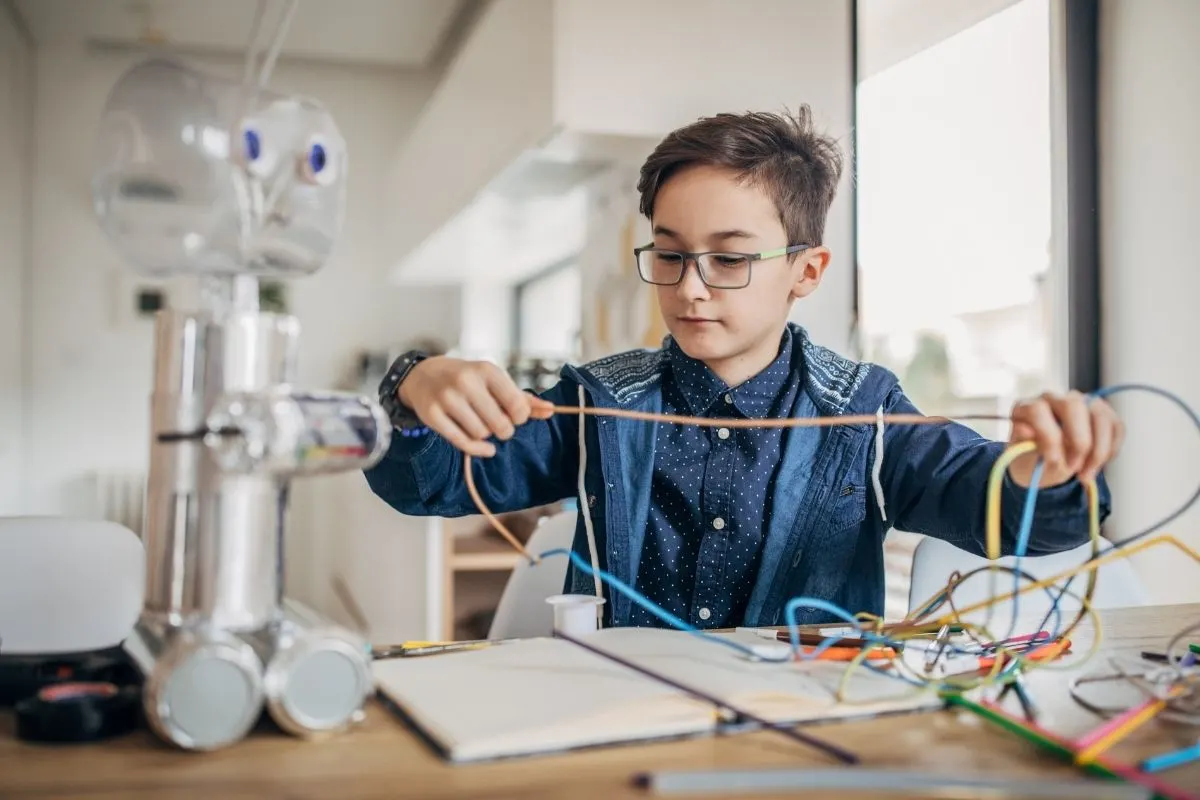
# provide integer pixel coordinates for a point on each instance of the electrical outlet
(134, 299)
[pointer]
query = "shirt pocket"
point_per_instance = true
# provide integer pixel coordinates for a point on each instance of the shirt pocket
(847, 507)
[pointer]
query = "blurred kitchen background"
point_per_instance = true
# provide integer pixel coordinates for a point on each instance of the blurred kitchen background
(494, 147)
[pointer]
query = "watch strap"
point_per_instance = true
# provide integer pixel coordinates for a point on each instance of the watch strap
(403, 418)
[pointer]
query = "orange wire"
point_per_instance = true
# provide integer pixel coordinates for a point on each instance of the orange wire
(709, 422)
(487, 513)
(781, 422)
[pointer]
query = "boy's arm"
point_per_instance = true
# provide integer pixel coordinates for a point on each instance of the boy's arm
(935, 482)
(423, 475)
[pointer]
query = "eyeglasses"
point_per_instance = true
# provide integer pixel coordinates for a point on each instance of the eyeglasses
(717, 270)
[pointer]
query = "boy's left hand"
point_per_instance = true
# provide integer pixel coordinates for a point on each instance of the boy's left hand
(1074, 438)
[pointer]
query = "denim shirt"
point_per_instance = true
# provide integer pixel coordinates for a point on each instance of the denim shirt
(824, 538)
(710, 495)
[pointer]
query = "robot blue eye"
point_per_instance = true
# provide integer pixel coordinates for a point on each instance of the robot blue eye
(253, 144)
(316, 158)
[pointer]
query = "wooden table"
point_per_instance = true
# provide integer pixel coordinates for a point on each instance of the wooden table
(382, 758)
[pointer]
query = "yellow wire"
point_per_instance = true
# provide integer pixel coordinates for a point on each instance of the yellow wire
(995, 490)
(917, 625)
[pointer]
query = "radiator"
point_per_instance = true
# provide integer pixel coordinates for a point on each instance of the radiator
(120, 497)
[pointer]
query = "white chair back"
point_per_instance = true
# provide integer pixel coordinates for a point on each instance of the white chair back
(68, 585)
(523, 611)
(1117, 583)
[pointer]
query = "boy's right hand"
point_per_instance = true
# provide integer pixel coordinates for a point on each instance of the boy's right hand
(469, 401)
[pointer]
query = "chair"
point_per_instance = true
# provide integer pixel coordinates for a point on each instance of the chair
(523, 611)
(1117, 584)
(68, 585)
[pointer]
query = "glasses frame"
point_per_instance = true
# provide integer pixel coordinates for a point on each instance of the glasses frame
(694, 258)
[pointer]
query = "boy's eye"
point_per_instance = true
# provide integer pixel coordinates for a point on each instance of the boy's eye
(668, 258)
(729, 261)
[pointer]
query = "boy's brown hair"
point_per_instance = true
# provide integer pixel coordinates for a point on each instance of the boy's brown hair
(782, 154)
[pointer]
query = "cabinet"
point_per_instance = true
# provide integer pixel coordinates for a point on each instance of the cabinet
(476, 564)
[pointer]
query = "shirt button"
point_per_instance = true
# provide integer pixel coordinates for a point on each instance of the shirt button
(723, 433)
(728, 399)
(718, 523)
(705, 613)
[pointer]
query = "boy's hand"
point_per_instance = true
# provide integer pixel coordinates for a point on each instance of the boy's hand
(1074, 438)
(469, 401)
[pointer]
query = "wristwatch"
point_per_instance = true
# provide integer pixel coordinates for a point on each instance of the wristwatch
(404, 420)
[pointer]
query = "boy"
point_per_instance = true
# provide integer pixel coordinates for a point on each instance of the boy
(722, 526)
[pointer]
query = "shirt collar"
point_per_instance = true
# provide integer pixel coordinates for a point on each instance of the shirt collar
(701, 387)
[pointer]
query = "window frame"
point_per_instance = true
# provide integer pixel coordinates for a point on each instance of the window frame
(521, 288)
(1075, 267)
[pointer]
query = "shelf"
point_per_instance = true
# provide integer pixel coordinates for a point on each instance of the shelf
(482, 554)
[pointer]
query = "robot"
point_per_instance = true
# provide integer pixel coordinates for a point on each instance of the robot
(221, 184)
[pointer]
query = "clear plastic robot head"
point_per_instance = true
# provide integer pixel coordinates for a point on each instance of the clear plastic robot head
(197, 174)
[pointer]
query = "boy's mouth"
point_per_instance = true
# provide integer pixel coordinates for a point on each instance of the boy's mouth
(696, 320)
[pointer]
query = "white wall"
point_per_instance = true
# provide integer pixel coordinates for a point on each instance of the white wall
(893, 30)
(91, 378)
(487, 315)
(801, 54)
(15, 62)
(596, 85)
(493, 103)
(1149, 212)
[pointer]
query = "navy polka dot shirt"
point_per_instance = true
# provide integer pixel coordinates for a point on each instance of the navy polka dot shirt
(711, 491)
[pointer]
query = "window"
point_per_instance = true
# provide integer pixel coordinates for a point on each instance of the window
(546, 325)
(548, 313)
(958, 266)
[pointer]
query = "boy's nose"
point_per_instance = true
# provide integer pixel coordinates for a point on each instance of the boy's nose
(691, 287)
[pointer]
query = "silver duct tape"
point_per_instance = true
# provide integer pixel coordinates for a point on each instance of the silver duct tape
(212, 545)
(318, 674)
(203, 688)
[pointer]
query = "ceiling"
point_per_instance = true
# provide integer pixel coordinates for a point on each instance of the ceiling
(388, 33)
(890, 31)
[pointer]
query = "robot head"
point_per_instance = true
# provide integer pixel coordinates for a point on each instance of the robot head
(196, 174)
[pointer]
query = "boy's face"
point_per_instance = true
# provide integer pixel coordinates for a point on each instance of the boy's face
(735, 331)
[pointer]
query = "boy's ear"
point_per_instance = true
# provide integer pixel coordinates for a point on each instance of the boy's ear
(809, 269)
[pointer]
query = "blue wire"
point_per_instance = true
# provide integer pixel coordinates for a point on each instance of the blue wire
(1109, 391)
(823, 605)
(1026, 529)
(790, 611)
(1024, 533)
(645, 602)
(675, 622)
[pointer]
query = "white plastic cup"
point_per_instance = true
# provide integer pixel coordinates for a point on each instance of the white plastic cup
(576, 614)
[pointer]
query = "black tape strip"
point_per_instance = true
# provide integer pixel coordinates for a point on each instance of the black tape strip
(79, 712)
(26, 675)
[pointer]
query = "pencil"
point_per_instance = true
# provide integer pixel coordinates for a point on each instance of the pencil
(1173, 759)
(1116, 729)
(847, 654)
(879, 782)
(1100, 766)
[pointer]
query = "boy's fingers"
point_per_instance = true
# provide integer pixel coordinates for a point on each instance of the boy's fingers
(463, 414)
(493, 417)
(1102, 440)
(1107, 433)
(541, 409)
(515, 402)
(441, 422)
(1075, 421)
(1021, 431)
(1045, 431)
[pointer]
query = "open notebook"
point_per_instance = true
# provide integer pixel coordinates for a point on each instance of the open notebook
(544, 695)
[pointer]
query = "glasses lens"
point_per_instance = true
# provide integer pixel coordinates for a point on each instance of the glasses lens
(660, 266)
(725, 270)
